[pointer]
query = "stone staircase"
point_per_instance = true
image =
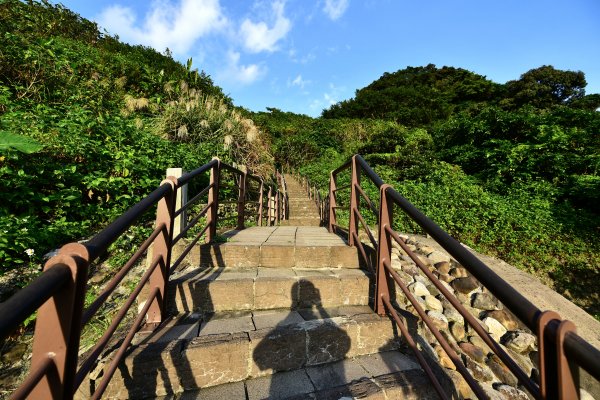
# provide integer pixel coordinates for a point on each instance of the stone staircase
(302, 211)
(273, 312)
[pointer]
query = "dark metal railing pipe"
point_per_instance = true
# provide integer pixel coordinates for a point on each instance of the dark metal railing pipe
(99, 243)
(24, 303)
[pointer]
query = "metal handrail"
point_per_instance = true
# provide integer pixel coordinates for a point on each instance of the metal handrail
(59, 291)
(20, 306)
(565, 344)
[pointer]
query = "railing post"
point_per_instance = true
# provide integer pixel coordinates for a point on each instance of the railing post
(269, 206)
(241, 206)
(260, 203)
(213, 200)
(559, 378)
(384, 251)
(354, 202)
(277, 208)
(180, 200)
(332, 204)
(162, 248)
(58, 327)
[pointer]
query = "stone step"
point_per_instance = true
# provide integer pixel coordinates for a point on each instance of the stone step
(274, 247)
(196, 351)
(361, 377)
(218, 290)
(301, 222)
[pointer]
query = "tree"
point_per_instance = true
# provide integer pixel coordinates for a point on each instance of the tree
(546, 86)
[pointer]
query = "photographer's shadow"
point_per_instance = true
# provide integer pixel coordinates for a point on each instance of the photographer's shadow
(286, 349)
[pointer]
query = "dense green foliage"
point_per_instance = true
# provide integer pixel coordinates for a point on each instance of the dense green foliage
(88, 126)
(511, 169)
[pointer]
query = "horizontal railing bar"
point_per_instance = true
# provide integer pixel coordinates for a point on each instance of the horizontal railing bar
(191, 224)
(366, 227)
(187, 249)
(342, 187)
(231, 169)
(110, 287)
(362, 251)
(99, 243)
(515, 301)
(228, 187)
(372, 175)
(121, 352)
(194, 199)
(188, 176)
(34, 378)
(344, 166)
(492, 344)
(87, 364)
(479, 392)
(411, 342)
(27, 300)
(580, 350)
(254, 178)
(369, 202)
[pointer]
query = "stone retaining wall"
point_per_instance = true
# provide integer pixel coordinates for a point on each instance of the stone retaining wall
(505, 328)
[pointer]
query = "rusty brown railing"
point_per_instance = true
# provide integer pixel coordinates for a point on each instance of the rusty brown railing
(561, 350)
(59, 292)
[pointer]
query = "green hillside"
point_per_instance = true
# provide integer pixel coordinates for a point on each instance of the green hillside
(89, 124)
(511, 169)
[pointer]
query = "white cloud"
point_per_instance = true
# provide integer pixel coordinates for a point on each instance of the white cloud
(234, 72)
(328, 99)
(335, 8)
(167, 24)
(257, 36)
(298, 81)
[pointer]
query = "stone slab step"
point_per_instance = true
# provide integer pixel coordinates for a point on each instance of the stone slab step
(359, 378)
(274, 247)
(301, 222)
(194, 351)
(268, 288)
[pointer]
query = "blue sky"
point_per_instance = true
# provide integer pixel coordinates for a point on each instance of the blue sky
(303, 56)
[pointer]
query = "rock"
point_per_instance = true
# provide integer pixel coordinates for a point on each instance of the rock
(480, 372)
(426, 249)
(472, 351)
(445, 278)
(426, 261)
(432, 289)
(418, 289)
(445, 361)
(521, 342)
(438, 319)
(453, 315)
(584, 395)
(495, 328)
(433, 303)
(477, 341)
(396, 263)
(422, 279)
(465, 285)
(406, 278)
(485, 301)
(511, 393)
(457, 330)
(501, 371)
(410, 268)
(491, 393)
(463, 388)
(459, 272)
(506, 319)
(447, 286)
(443, 267)
(437, 256)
